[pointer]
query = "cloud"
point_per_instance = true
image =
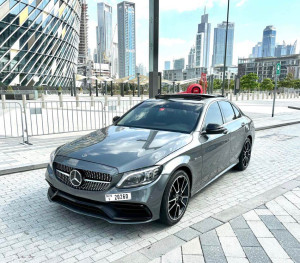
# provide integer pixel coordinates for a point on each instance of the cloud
(242, 50)
(241, 2)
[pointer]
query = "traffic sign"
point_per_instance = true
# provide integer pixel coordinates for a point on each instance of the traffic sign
(278, 69)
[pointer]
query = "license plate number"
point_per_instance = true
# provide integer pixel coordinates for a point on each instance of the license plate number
(117, 197)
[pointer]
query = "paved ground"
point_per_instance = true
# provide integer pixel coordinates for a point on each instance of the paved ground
(13, 154)
(269, 233)
(32, 229)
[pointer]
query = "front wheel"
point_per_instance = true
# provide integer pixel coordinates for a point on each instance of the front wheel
(175, 199)
(245, 156)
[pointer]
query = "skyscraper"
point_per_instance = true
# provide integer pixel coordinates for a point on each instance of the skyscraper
(83, 35)
(291, 49)
(219, 44)
(269, 40)
(126, 39)
(104, 32)
(280, 50)
(192, 58)
(167, 65)
(257, 50)
(179, 63)
(203, 42)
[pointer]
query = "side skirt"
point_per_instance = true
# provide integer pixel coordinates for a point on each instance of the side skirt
(216, 177)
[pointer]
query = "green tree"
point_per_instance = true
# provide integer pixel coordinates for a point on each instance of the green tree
(10, 90)
(288, 82)
(249, 82)
(297, 83)
(267, 84)
(217, 84)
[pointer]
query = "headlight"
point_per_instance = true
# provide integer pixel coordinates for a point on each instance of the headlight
(140, 177)
(52, 156)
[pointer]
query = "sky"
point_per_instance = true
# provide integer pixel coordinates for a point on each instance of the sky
(179, 20)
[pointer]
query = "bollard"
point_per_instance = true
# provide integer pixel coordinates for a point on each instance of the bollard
(230, 95)
(294, 94)
(263, 95)
(253, 95)
(105, 100)
(279, 96)
(142, 97)
(237, 97)
(24, 100)
(119, 100)
(60, 100)
(43, 101)
(3, 101)
(248, 95)
(92, 100)
(257, 95)
(77, 100)
(243, 96)
(130, 100)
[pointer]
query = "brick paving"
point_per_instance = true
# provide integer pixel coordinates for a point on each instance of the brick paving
(34, 230)
(268, 233)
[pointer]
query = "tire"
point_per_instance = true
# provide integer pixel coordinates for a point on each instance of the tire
(175, 199)
(245, 156)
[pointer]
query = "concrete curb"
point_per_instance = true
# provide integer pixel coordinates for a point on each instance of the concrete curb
(23, 168)
(276, 126)
(175, 240)
(44, 165)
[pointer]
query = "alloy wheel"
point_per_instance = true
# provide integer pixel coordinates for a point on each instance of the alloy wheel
(178, 197)
(246, 153)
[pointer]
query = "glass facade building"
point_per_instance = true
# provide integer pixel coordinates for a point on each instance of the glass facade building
(126, 39)
(104, 32)
(203, 42)
(39, 42)
(219, 44)
(257, 50)
(269, 40)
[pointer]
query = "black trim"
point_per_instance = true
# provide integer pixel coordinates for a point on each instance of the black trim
(188, 96)
(112, 212)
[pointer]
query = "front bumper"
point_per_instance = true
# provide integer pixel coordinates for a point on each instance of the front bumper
(143, 207)
(114, 212)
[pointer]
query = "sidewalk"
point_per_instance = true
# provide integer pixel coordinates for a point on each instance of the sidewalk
(268, 233)
(16, 157)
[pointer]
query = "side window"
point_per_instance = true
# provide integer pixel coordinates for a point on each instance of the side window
(213, 115)
(237, 112)
(227, 111)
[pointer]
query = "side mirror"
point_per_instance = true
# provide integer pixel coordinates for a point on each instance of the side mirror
(116, 118)
(213, 128)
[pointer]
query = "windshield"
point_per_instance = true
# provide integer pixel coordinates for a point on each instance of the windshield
(167, 115)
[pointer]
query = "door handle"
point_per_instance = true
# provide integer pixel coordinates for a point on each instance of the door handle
(243, 124)
(225, 131)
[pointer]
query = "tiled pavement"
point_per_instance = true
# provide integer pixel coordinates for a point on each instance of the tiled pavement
(268, 233)
(32, 229)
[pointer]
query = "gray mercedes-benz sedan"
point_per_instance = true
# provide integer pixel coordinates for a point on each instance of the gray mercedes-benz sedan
(152, 160)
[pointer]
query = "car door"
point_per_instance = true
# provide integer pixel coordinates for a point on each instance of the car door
(215, 147)
(236, 129)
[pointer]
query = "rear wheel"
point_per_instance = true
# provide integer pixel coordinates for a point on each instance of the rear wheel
(175, 199)
(245, 156)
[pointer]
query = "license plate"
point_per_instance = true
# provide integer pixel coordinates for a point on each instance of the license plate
(117, 197)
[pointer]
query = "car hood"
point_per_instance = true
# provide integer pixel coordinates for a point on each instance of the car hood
(125, 148)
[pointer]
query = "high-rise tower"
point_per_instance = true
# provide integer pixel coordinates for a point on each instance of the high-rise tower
(126, 39)
(269, 40)
(203, 42)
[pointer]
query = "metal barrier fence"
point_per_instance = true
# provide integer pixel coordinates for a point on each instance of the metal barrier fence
(54, 117)
(11, 120)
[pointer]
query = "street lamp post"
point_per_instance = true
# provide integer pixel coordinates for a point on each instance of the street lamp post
(226, 35)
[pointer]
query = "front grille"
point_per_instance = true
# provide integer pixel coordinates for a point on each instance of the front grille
(92, 181)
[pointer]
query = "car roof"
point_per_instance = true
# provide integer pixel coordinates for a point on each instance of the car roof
(200, 98)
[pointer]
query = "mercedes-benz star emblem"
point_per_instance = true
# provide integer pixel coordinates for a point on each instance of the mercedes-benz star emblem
(76, 178)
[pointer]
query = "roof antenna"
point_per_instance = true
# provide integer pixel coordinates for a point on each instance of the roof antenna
(204, 9)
